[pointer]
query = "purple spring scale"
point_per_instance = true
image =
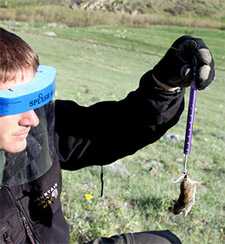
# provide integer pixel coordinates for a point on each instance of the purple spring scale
(190, 122)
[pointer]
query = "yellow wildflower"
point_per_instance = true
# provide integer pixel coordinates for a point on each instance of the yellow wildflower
(88, 197)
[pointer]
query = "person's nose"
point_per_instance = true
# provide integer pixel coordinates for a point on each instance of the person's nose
(29, 119)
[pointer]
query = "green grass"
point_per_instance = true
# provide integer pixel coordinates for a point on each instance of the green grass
(105, 63)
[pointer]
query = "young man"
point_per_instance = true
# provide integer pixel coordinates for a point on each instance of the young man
(39, 137)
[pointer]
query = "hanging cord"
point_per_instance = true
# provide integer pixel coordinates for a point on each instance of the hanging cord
(102, 181)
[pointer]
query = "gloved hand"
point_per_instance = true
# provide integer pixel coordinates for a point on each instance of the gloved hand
(188, 58)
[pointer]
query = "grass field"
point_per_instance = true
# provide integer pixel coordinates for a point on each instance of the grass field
(105, 63)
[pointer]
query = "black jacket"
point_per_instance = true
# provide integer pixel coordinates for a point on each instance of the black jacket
(84, 136)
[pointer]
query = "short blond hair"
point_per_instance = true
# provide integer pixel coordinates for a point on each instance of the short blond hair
(15, 56)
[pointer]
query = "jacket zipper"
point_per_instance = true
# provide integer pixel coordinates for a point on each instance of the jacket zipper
(25, 222)
(28, 230)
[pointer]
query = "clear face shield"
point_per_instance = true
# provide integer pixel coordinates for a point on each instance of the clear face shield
(36, 158)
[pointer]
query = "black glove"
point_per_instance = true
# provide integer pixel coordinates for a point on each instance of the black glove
(186, 60)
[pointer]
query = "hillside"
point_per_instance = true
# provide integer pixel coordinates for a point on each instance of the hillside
(177, 7)
(195, 13)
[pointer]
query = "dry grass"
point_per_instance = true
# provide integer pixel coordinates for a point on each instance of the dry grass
(69, 17)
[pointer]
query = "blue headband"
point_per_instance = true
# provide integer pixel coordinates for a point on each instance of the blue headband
(31, 95)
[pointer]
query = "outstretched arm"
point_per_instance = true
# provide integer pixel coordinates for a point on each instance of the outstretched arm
(107, 131)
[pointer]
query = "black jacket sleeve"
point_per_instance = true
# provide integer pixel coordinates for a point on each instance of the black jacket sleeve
(107, 131)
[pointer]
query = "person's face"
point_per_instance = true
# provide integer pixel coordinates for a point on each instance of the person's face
(15, 128)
